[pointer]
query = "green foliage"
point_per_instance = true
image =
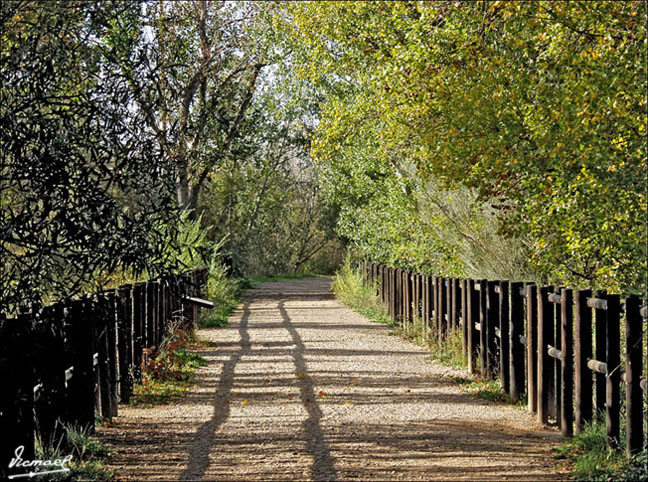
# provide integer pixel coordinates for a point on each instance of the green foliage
(224, 292)
(167, 372)
(350, 289)
(87, 454)
(538, 109)
(590, 457)
(489, 390)
(186, 242)
(81, 181)
(450, 352)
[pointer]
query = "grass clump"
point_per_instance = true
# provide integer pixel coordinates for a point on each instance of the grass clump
(450, 352)
(489, 390)
(350, 289)
(85, 455)
(224, 292)
(167, 371)
(591, 459)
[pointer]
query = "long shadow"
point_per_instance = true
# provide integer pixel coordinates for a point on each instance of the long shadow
(204, 437)
(323, 467)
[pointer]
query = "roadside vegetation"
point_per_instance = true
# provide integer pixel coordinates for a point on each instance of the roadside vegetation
(591, 460)
(85, 452)
(350, 289)
(168, 370)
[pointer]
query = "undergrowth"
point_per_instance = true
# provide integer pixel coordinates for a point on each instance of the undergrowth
(351, 290)
(591, 459)
(167, 371)
(85, 456)
(224, 292)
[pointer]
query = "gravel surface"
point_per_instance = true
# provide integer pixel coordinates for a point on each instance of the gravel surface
(299, 387)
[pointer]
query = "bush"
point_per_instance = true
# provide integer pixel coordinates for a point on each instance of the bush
(351, 290)
(167, 371)
(87, 454)
(593, 461)
(223, 291)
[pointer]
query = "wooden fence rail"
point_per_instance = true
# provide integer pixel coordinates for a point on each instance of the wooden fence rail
(64, 363)
(561, 348)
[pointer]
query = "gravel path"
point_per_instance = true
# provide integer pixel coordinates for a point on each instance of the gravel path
(299, 387)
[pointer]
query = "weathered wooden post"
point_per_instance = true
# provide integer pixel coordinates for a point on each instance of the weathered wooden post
(613, 392)
(532, 346)
(557, 373)
(483, 328)
(583, 352)
(634, 362)
(545, 338)
(504, 328)
(113, 356)
(16, 367)
(600, 352)
(474, 303)
(138, 294)
(492, 320)
(515, 341)
(567, 363)
(454, 299)
(443, 311)
(125, 342)
(464, 317)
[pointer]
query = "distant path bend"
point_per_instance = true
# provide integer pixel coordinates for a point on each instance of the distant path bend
(299, 387)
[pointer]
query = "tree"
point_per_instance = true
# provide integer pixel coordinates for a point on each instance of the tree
(203, 63)
(83, 189)
(538, 108)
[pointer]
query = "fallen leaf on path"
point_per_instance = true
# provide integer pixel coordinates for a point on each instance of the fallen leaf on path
(301, 376)
(356, 380)
(307, 400)
(348, 403)
(321, 394)
(244, 402)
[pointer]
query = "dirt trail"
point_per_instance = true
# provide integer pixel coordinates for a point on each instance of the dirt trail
(299, 387)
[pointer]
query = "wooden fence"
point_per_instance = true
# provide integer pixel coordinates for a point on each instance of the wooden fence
(66, 362)
(561, 348)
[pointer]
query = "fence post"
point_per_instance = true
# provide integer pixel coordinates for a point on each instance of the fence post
(473, 319)
(516, 348)
(600, 352)
(443, 310)
(567, 363)
(125, 349)
(545, 329)
(50, 366)
(407, 293)
(556, 364)
(483, 330)
(425, 305)
(113, 354)
(492, 311)
(139, 327)
(583, 352)
(634, 362)
(532, 346)
(505, 328)
(16, 415)
(453, 304)
(464, 317)
(448, 306)
(613, 393)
